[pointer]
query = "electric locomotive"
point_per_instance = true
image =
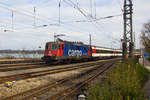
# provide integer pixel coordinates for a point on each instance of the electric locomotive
(65, 51)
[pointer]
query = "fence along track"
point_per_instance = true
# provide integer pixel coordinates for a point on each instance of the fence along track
(27, 95)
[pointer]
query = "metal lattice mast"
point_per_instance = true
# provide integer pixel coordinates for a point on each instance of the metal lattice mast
(128, 29)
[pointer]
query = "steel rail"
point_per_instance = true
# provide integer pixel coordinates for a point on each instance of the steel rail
(20, 64)
(40, 73)
(62, 95)
(23, 67)
(48, 72)
(12, 67)
(33, 92)
(20, 61)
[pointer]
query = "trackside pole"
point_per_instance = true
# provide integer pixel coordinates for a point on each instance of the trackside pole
(90, 42)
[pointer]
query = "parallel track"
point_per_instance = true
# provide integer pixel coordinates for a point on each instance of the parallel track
(69, 92)
(42, 73)
(20, 64)
(14, 67)
(48, 72)
(16, 61)
(34, 93)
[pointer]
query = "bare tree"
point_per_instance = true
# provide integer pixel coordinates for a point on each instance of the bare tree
(145, 36)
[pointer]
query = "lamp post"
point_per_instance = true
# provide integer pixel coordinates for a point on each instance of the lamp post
(39, 50)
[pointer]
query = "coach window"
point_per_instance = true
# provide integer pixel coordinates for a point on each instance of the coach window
(93, 51)
(98, 51)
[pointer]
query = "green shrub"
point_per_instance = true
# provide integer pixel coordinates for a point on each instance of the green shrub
(122, 83)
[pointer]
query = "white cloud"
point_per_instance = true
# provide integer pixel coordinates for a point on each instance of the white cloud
(103, 32)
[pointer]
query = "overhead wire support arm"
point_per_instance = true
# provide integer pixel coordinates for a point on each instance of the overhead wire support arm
(94, 20)
(59, 10)
(12, 15)
(34, 17)
(95, 8)
(91, 8)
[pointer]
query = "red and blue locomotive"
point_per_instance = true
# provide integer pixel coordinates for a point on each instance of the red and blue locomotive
(65, 51)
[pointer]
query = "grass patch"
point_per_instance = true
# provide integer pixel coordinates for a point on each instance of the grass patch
(148, 59)
(123, 83)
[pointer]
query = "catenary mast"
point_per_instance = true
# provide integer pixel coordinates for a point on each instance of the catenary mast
(128, 29)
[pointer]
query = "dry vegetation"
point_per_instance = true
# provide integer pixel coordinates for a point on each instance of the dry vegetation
(123, 83)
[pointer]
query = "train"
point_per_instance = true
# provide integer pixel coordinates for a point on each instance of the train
(61, 51)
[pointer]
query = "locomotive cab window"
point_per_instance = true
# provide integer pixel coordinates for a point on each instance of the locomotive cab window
(85, 49)
(62, 46)
(47, 46)
(78, 48)
(59, 46)
(54, 46)
(70, 47)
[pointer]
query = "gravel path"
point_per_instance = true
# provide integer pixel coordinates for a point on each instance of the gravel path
(27, 84)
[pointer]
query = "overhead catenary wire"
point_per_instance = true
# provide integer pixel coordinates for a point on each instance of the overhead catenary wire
(119, 3)
(87, 16)
(12, 20)
(91, 7)
(25, 12)
(32, 25)
(19, 12)
(89, 19)
(95, 8)
(83, 13)
(76, 28)
(77, 2)
(94, 20)
(71, 3)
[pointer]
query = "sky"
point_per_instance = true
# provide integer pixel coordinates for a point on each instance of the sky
(26, 31)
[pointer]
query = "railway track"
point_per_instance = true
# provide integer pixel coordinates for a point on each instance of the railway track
(20, 64)
(48, 72)
(39, 93)
(14, 67)
(40, 73)
(24, 66)
(31, 94)
(16, 61)
(68, 93)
